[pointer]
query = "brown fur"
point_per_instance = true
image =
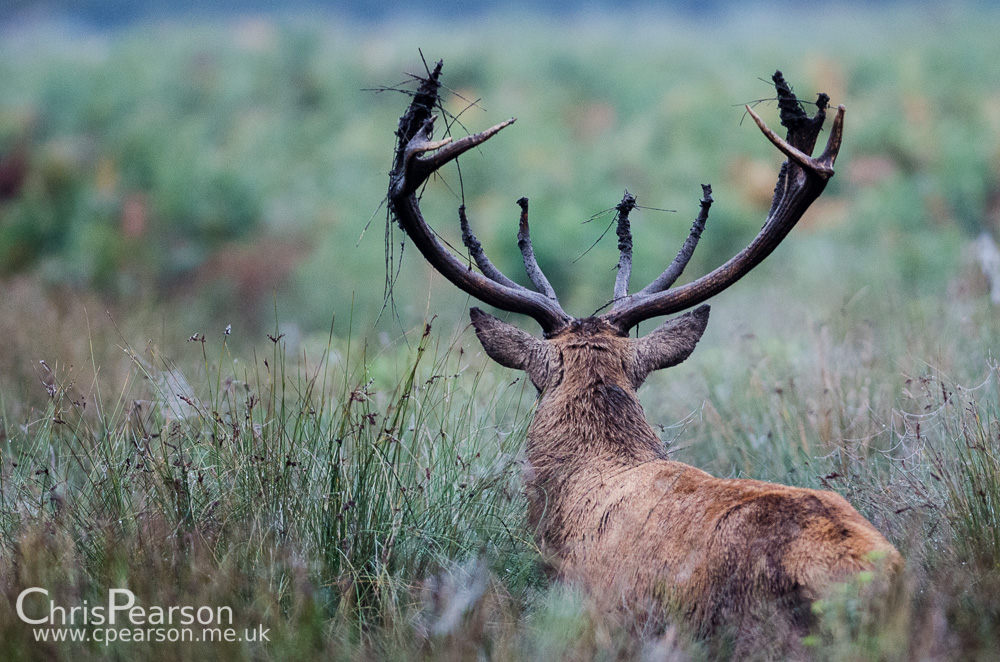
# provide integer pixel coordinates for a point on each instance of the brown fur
(611, 512)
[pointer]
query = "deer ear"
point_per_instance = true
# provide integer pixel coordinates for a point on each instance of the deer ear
(511, 347)
(671, 343)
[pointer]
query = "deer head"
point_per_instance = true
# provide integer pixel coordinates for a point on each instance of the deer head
(609, 509)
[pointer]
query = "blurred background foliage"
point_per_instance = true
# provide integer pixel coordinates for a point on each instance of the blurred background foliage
(189, 173)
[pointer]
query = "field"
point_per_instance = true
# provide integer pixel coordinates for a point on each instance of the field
(225, 383)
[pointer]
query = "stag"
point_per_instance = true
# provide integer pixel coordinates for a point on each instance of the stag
(609, 510)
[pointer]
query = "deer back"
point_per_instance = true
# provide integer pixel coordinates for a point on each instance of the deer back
(612, 512)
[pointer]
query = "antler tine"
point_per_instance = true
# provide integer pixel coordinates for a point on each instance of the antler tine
(801, 180)
(479, 255)
(676, 268)
(416, 169)
(829, 155)
(624, 232)
(417, 158)
(822, 166)
(534, 271)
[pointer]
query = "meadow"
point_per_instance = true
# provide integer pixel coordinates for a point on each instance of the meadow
(209, 397)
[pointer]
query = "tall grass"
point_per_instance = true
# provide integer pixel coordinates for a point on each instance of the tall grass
(333, 484)
(365, 504)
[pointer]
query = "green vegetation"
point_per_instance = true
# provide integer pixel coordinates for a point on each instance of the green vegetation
(354, 489)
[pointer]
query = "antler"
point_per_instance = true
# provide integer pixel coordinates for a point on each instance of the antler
(417, 158)
(801, 180)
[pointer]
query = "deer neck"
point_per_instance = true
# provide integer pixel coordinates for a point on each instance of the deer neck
(592, 422)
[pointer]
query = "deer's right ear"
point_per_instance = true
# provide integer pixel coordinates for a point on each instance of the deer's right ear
(511, 347)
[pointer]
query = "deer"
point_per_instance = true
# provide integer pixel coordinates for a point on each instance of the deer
(610, 511)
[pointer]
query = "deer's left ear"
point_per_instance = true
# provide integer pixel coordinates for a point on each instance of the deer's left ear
(671, 343)
(513, 348)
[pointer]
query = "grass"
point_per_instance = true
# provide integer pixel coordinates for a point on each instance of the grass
(358, 504)
(355, 492)
(343, 483)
